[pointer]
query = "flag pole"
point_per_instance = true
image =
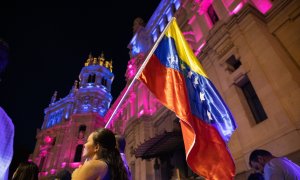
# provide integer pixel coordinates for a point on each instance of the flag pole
(140, 70)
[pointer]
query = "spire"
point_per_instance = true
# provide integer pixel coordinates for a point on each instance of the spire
(74, 88)
(53, 99)
(111, 66)
(101, 59)
(94, 61)
(89, 60)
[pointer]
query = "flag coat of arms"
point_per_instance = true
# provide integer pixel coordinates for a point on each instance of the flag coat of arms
(177, 79)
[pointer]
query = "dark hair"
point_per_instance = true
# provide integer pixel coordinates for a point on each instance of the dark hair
(256, 176)
(121, 142)
(258, 152)
(63, 175)
(26, 171)
(109, 153)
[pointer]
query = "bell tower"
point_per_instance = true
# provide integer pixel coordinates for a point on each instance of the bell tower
(68, 121)
(94, 87)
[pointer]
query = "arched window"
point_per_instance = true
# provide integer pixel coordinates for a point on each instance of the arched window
(81, 131)
(91, 78)
(82, 127)
(78, 153)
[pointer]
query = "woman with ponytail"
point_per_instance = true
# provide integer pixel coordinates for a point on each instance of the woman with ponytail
(103, 158)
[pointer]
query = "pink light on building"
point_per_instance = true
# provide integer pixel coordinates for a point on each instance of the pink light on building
(208, 21)
(192, 20)
(263, 5)
(74, 164)
(52, 171)
(63, 164)
(43, 173)
(131, 74)
(43, 153)
(152, 111)
(131, 70)
(141, 113)
(200, 48)
(237, 8)
(203, 6)
(47, 139)
(188, 33)
(227, 3)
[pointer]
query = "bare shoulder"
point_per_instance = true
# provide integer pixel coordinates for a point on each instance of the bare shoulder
(92, 170)
(96, 165)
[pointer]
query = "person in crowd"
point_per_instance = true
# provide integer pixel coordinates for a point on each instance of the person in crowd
(256, 176)
(26, 171)
(103, 160)
(7, 129)
(273, 167)
(121, 143)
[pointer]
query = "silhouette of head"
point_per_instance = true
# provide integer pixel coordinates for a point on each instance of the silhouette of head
(258, 158)
(26, 171)
(105, 138)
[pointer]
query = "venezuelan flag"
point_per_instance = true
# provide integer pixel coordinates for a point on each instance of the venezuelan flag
(175, 76)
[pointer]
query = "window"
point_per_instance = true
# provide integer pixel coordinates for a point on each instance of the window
(82, 127)
(170, 12)
(155, 34)
(212, 14)
(253, 101)
(54, 140)
(232, 64)
(81, 131)
(103, 82)
(42, 163)
(78, 153)
(91, 78)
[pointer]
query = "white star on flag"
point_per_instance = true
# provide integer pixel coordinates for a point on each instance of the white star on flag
(190, 73)
(209, 116)
(202, 98)
(196, 80)
(173, 59)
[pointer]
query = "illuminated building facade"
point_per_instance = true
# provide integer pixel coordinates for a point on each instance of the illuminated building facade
(250, 51)
(70, 120)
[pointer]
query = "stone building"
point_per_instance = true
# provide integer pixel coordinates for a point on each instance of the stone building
(250, 51)
(68, 121)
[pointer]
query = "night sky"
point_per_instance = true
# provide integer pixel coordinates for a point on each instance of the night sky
(49, 44)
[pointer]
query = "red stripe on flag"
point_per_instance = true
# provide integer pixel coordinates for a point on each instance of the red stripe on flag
(208, 153)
